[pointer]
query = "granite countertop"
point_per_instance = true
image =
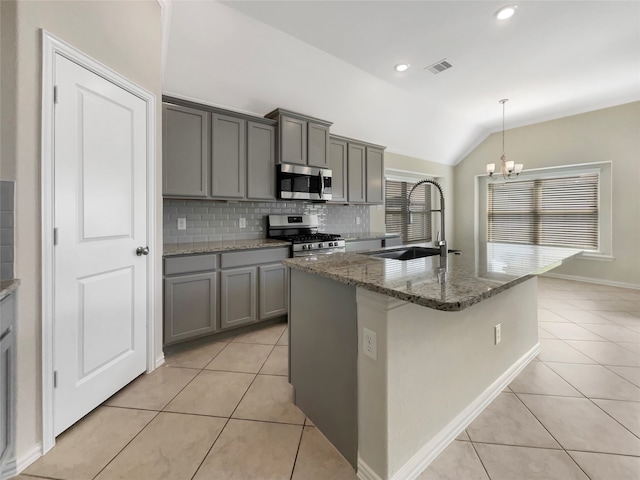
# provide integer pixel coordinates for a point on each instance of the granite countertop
(8, 286)
(221, 246)
(352, 236)
(465, 280)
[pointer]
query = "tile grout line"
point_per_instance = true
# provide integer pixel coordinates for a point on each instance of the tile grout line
(234, 411)
(479, 457)
(295, 460)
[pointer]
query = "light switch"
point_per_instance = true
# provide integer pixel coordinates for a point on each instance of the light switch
(182, 223)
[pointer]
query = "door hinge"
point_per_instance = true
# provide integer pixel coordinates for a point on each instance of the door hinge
(55, 236)
(55, 94)
(55, 379)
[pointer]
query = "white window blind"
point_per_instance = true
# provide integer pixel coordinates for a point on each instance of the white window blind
(547, 211)
(396, 193)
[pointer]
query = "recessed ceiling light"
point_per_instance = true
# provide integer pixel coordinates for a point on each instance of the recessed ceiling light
(506, 12)
(402, 67)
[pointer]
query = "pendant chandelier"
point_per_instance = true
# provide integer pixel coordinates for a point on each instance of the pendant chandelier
(507, 168)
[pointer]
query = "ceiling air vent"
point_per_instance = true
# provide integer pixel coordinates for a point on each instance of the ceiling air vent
(438, 67)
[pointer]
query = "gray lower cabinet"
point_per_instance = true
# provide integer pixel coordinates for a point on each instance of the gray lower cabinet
(274, 288)
(375, 175)
(261, 161)
(190, 306)
(356, 172)
(185, 151)
(7, 385)
(238, 297)
(338, 166)
(360, 245)
(228, 156)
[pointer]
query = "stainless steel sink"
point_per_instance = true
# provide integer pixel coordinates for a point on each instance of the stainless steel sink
(406, 253)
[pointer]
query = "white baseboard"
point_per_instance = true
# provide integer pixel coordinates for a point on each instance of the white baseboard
(365, 472)
(160, 361)
(598, 281)
(423, 457)
(28, 457)
(9, 471)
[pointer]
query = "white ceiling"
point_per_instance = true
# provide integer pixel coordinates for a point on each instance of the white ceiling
(334, 60)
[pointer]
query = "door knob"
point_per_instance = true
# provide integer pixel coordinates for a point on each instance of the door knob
(142, 251)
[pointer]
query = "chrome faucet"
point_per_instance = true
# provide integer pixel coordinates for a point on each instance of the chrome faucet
(440, 239)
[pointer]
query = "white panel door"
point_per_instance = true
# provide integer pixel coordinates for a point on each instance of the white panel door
(100, 298)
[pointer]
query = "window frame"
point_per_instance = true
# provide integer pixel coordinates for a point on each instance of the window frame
(605, 217)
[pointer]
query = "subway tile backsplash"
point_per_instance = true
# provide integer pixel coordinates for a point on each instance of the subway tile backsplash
(209, 220)
(7, 193)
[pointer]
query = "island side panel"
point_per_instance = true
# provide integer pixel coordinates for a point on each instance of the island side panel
(441, 369)
(323, 357)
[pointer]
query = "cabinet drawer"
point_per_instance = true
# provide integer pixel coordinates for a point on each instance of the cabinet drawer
(361, 245)
(253, 257)
(190, 263)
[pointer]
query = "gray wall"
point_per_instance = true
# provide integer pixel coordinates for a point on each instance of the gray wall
(611, 134)
(210, 221)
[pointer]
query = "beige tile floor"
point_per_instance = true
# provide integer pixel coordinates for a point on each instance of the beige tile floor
(223, 410)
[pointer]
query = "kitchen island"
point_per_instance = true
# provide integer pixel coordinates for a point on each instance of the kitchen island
(392, 359)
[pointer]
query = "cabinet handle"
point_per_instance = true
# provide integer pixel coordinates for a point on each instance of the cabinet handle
(5, 333)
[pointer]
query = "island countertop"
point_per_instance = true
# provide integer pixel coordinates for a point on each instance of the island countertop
(464, 281)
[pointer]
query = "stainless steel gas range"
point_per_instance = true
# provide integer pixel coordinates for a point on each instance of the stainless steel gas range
(302, 232)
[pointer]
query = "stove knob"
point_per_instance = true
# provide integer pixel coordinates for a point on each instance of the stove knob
(321, 245)
(304, 247)
(330, 244)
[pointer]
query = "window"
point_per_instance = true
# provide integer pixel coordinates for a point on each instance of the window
(396, 193)
(561, 211)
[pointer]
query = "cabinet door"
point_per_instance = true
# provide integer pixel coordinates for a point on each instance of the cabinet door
(228, 157)
(338, 166)
(7, 381)
(375, 174)
(185, 151)
(293, 140)
(190, 306)
(261, 161)
(274, 289)
(360, 245)
(318, 145)
(238, 299)
(356, 173)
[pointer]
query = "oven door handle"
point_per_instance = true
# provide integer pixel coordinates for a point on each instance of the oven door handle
(321, 180)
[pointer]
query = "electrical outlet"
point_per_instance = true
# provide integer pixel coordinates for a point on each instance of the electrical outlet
(497, 331)
(242, 223)
(182, 223)
(357, 220)
(370, 343)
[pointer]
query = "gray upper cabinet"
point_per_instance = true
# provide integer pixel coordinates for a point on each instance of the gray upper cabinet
(185, 151)
(302, 140)
(261, 161)
(228, 156)
(375, 174)
(293, 140)
(318, 145)
(338, 166)
(356, 172)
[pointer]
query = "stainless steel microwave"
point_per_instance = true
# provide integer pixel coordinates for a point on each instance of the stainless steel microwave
(303, 183)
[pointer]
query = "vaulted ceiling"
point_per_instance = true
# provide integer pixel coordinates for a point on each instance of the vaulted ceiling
(335, 59)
